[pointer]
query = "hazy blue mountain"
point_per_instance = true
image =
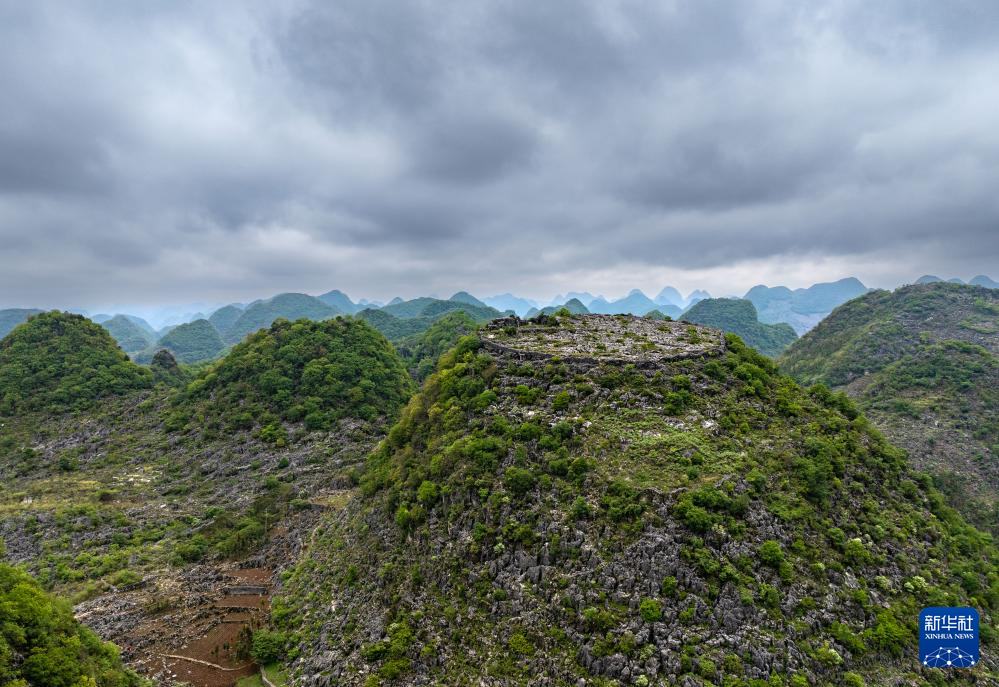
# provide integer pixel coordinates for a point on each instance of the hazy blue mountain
(573, 305)
(507, 301)
(695, 296)
(395, 301)
(982, 280)
(670, 295)
(599, 305)
(100, 318)
(129, 335)
(583, 297)
(225, 317)
(466, 297)
(955, 280)
(635, 303)
(928, 279)
(12, 317)
(290, 306)
(803, 308)
(339, 300)
(669, 309)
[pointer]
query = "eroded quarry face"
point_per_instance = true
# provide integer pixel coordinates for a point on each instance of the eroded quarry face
(603, 338)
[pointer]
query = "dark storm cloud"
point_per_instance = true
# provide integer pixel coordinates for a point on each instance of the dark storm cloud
(225, 150)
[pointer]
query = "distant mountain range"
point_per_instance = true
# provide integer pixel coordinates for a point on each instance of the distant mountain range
(803, 308)
(800, 308)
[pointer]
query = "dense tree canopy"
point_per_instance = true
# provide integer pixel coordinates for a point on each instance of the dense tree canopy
(422, 351)
(316, 372)
(59, 360)
(42, 644)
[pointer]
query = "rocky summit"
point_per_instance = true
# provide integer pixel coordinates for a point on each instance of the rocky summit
(621, 338)
(594, 500)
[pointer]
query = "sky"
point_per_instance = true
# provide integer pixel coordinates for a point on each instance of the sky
(176, 152)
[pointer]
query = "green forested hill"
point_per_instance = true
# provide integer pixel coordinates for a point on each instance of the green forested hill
(140, 506)
(422, 351)
(392, 327)
(224, 318)
(316, 372)
(56, 361)
(398, 323)
(613, 500)
(739, 317)
(42, 644)
(130, 336)
(193, 342)
(290, 306)
(922, 363)
(411, 308)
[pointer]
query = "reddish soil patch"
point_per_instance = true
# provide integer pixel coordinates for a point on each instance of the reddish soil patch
(206, 676)
(253, 575)
(215, 626)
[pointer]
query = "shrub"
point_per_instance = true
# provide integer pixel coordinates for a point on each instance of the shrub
(855, 553)
(580, 509)
(427, 493)
(851, 679)
(519, 644)
(888, 635)
(650, 610)
(562, 400)
(518, 480)
(771, 553)
(267, 646)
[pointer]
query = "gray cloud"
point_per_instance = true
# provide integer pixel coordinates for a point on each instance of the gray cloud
(228, 150)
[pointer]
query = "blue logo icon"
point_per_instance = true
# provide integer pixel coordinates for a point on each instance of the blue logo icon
(948, 637)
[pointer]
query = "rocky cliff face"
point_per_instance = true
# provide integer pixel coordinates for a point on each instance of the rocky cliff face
(600, 500)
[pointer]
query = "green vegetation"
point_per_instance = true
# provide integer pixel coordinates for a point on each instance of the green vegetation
(923, 364)
(193, 342)
(42, 644)
(422, 351)
(224, 318)
(739, 317)
(311, 372)
(655, 494)
(392, 327)
(57, 361)
(433, 308)
(289, 306)
(130, 336)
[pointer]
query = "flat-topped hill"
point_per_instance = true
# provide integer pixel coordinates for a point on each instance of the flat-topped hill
(606, 338)
(543, 516)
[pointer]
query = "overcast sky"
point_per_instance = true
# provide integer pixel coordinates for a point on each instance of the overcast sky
(169, 152)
